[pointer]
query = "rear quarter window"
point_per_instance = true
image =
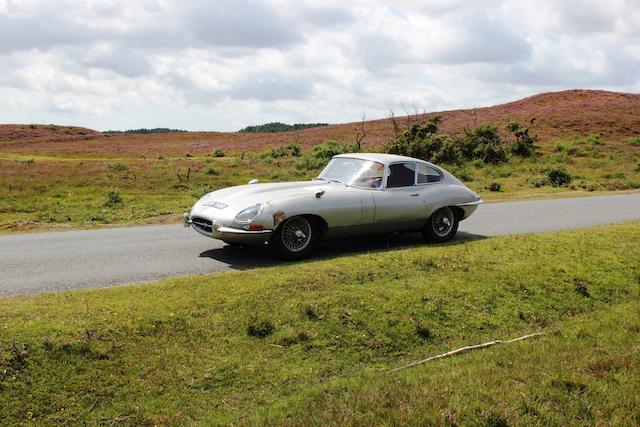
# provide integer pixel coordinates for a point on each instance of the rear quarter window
(427, 174)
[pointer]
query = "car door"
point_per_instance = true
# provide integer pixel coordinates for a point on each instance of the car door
(429, 183)
(399, 206)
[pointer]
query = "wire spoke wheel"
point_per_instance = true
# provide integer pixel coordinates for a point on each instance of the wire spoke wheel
(296, 234)
(442, 222)
(441, 226)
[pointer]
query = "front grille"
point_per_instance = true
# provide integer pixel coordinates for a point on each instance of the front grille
(202, 224)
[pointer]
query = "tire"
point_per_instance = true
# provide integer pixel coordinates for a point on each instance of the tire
(295, 238)
(441, 226)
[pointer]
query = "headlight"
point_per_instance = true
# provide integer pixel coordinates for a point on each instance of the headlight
(249, 214)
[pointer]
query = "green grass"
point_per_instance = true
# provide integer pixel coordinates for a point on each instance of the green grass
(65, 193)
(313, 343)
(69, 191)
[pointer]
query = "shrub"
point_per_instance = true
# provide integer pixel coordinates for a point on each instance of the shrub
(539, 181)
(322, 153)
(294, 149)
(463, 174)
(275, 153)
(566, 147)
(328, 149)
(283, 151)
(47, 216)
(524, 144)
(585, 185)
(188, 155)
(212, 171)
(117, 167)
(96, 218)
(446, 150)
(595, 139)
(495, 186)
(310, 163)
(423, 141)
(558, 177)
(614, 175)
(113, 199)
(217, 153)
(483, 142)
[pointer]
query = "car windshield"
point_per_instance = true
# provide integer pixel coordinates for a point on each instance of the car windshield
(356, 172)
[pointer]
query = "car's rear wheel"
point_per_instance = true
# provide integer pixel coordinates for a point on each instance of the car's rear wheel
(441, 226)
(295, 238)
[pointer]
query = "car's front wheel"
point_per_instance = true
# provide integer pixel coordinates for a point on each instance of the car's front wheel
(441, 226)
(295, 238)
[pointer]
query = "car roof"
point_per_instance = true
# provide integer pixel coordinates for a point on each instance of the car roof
(381, 157)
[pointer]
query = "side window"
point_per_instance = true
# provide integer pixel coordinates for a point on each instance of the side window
(428, 174)
(401, 175)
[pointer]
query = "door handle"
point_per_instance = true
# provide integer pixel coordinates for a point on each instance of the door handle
(414, 194)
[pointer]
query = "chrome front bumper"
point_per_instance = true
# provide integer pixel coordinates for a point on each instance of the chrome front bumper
(228, 234)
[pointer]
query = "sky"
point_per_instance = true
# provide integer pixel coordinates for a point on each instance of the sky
(225, 64)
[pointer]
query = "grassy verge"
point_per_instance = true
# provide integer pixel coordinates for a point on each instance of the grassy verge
(312, 343)
(73, 190)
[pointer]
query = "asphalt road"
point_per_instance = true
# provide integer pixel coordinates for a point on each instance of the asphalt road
(42, 262)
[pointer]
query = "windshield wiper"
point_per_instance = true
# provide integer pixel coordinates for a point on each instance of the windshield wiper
(331, 180)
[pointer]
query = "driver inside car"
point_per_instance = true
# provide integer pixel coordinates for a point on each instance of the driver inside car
(372, 176)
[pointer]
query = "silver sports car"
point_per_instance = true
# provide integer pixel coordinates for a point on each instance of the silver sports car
(356, 194)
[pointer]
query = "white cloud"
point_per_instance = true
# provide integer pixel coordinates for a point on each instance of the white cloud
(224, 64)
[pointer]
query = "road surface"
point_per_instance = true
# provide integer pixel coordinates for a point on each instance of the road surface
(42, 262)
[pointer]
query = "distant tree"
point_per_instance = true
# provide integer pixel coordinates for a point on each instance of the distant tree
(281, 127)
